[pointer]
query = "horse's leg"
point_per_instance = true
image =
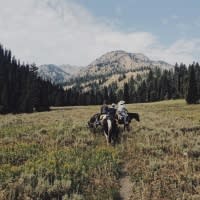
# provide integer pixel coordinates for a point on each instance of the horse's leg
(106, 130)
(109, 131)
(124, 127)
(114, 132)
(128, 127)
(125, 118)
(126, 123)
(107, 138)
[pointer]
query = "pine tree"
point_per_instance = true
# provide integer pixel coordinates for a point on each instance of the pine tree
(192, 94)
(105, 93)
(126, 93)
(142, 92)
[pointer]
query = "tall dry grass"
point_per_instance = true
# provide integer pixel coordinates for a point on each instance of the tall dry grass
(53, 155)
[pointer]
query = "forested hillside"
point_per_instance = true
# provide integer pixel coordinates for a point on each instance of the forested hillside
(152, 85)
(112, 66)
(21, 90)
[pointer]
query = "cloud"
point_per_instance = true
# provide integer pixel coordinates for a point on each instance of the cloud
(62, 31)
(180, 51)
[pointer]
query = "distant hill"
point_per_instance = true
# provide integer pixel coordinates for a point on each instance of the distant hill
(53, 73)
(70, 69)
(121, 61)
(114, 66)
(57, 73)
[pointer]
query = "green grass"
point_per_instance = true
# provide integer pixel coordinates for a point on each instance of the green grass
(53, 155)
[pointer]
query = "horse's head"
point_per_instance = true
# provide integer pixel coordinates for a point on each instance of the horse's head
(137, 117)
(92, 121)
(134, 116)
(90, 125)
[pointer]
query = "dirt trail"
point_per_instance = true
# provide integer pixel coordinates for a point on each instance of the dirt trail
(126, 186)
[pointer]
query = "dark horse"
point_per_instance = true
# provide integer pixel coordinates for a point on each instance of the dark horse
(109, 126)
(92, 122)
(126, 122)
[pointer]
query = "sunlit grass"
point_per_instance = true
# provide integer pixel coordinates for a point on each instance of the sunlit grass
(54, 155)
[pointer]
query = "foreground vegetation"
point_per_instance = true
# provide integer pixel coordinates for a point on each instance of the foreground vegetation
(53, 155)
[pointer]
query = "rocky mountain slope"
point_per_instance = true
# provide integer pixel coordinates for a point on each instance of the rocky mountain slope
(71, 69)
(121, 61)
(53, 73)
(115, 66)
(57, 74)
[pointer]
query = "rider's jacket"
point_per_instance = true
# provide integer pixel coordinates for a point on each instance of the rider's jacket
(104, 109)
(122, 110)
(112, 112)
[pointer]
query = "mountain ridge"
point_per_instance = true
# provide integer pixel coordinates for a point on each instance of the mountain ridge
(58, 74)
(113, 62)
(53, 72)
(123, 61)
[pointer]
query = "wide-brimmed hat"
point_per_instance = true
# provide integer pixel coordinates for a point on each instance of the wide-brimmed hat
(121, 102)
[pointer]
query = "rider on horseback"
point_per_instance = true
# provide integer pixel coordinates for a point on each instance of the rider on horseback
(104, 108)
(122, 111)
(112, 111)
(103, 112)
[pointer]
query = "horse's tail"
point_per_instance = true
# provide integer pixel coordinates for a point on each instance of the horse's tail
(109, 125)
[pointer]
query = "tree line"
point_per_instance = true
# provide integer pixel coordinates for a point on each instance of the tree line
(154, 85)
(22, 90)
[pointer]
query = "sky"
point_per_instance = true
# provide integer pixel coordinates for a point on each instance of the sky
(77, 32)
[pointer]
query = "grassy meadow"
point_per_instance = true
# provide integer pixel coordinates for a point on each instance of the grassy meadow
(53, 155)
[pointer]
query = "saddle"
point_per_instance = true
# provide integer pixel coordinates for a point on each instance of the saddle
(121, 119)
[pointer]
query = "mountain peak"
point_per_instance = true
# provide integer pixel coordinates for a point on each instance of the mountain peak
(123, 60)
(53, 72)
(121, 57)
